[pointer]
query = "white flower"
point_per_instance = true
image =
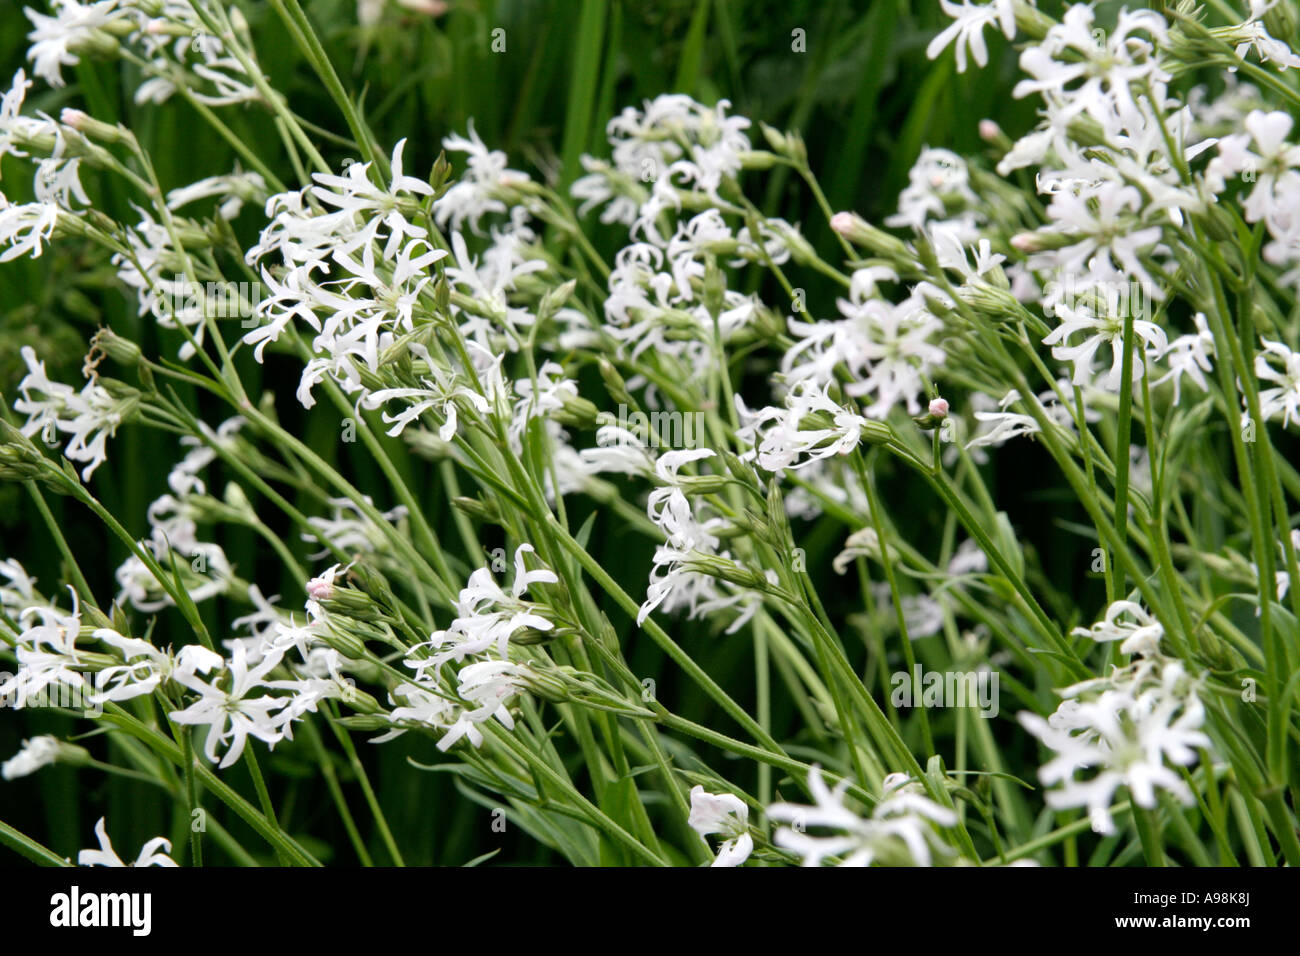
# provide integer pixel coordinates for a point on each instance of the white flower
(36, 752)
(779, 438)
(90, 417)
(233, 190)
(1129, 622)
(1099, 330)
(678, 578)
(369, 12)
(1253, 33)
(174, 535)
(887, 348)
(923, 616)
(1188, 355)
(374, 266)
(900, 830)
(865, 542)
(725, 814)
(968, 559)
(438, 391)
(479, 191)
(1284, 397)
(428, 707)
(939, 178)
(56, 40)
(998, 428)
(489, 685)
(47, 652)
(153, 853)
(20, 591)
(349, 529)
(169, 298)
(967, 29)
(1127, 735)
(232, 714)
(1271, 164)
(24, 228)
(355, 193)
(146, 667)
(486, 616)
(1078, 69)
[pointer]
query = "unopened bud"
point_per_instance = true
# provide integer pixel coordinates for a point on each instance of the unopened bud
(555, 300)
(702, 484)
(349, 645)
(1040, 241)
(576, 412)
(877, 433)
(935, 415)
(788, 144)
(121, 350)
(715, 287)
(861, 233)
(358, 700)
(366, 722)
(477, 508)
(758, 159)
(92, 128)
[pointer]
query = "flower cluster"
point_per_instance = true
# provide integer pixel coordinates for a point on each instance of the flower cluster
(1131, 729)
(479, 642)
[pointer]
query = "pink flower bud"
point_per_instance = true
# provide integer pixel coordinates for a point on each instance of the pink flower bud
(320, 589)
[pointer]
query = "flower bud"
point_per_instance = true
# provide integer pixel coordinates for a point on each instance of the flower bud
(21, 460)
(349, 603)
(725, 570)
(1040, 241)
(715, 287)
(877, 433)
(702, 484)
(349, 645)
(614, 383)
(737, 468)
(787, 144)
(758, 159)
(861, 233)
(121, 350)
(555, 299)
(366, 722)
(1218, 223)
(935, 415)
(992, 134)
(92, 128)
(576, 412)
(477, 508)
(359, 700)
